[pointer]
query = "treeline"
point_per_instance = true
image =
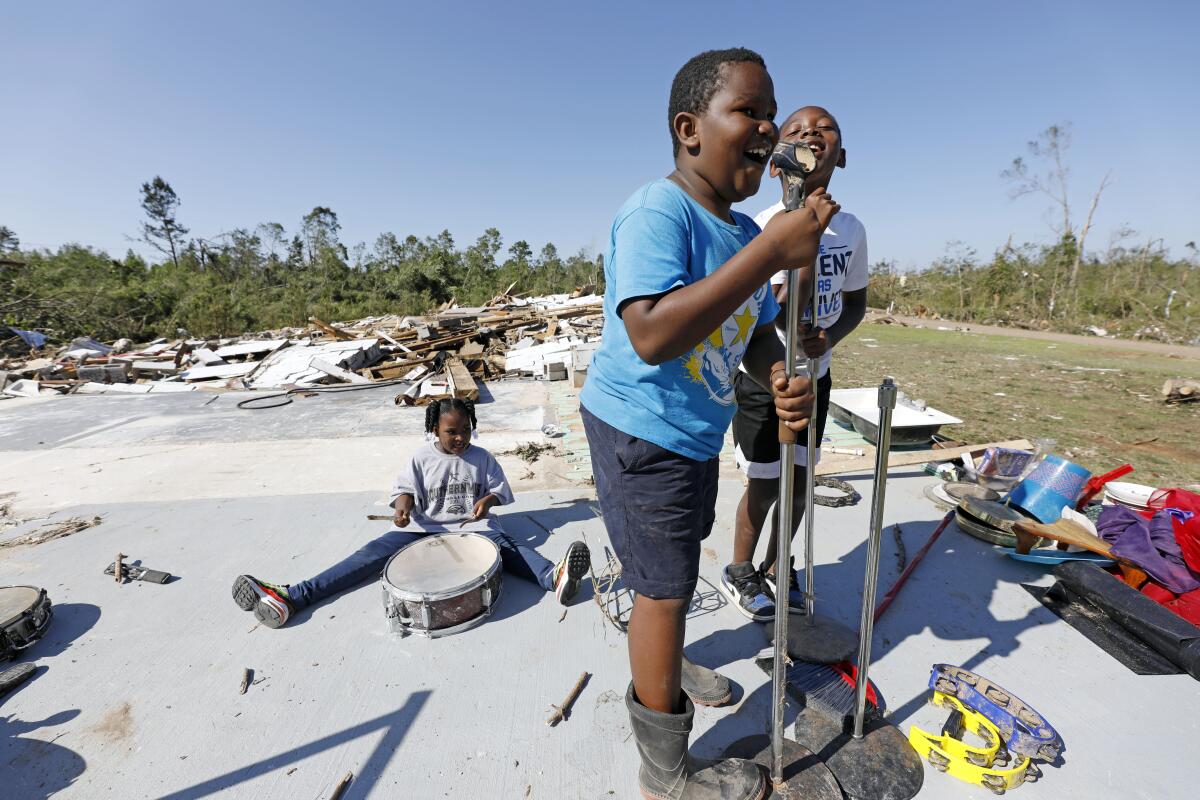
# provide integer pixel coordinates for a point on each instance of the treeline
(1129, 291)
(262, 278)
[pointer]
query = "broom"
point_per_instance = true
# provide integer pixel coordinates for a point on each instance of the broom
(828, 688)
(831, 687)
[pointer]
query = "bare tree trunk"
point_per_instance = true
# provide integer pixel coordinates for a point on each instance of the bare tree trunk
(1060, 173)
(1083, 232)
(960, 292)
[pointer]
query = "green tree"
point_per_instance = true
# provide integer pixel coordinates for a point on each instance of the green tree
(320, 228)
(9, 243)
(161, 230)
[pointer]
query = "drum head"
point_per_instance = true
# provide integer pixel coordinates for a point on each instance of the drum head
(442, 564)
(16, 600)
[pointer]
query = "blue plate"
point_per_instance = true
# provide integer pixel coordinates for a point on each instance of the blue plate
(1050, 555)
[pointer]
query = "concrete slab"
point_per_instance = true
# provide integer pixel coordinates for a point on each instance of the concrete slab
(68, 450)
(137, 691)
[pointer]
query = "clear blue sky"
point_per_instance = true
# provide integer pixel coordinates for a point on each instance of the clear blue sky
(541, 118)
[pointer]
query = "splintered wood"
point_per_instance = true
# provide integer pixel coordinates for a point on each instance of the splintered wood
(449, 349)
(462, 385)
(1180, 390)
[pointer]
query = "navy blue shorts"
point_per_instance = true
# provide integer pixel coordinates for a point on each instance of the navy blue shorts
(657, 505)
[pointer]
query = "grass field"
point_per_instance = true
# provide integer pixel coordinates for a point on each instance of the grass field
(1009, 388)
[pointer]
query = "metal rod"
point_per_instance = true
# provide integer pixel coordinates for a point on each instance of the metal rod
(887, 402)
(787, 526)
(810, 474)
(783, 545)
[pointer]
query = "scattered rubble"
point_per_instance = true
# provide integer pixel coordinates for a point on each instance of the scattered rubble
(52, 530)
(438, 355)
(529, 452)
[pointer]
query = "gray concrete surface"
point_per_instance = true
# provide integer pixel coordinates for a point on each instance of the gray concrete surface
(137, 690)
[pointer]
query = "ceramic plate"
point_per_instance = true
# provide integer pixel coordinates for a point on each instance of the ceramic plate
(1130, 494)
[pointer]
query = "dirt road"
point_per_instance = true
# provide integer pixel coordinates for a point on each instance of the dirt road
(1174, 350)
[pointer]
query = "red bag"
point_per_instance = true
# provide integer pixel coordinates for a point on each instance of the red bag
(1187, 534)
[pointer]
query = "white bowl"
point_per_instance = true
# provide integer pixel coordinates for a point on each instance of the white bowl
(1129, 494)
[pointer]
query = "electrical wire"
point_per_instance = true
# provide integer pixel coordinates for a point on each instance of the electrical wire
(288, 400)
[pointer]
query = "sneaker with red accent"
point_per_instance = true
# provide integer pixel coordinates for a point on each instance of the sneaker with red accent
(269, 602)
(574, 565)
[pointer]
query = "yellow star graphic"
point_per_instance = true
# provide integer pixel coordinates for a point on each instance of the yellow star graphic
(745, 322)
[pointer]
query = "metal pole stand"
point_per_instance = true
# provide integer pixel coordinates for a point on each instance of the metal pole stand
(871, 758)
(795, 772)
(817, 639)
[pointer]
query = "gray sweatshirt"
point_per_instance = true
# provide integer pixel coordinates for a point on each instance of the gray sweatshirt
(446, 487)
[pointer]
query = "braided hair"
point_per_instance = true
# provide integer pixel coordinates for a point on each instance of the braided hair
(435, 410)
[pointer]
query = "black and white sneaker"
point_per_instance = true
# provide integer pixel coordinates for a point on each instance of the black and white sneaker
(742, 584)
(796, 604)
(574, 565)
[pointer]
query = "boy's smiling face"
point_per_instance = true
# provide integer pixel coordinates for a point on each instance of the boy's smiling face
(728, 145)
(817, 128)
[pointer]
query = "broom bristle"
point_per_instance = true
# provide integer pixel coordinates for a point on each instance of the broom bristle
(829, 689)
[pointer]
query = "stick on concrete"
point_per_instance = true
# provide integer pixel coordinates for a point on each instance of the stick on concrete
(247, 677)
(563, 711)
(341, 787)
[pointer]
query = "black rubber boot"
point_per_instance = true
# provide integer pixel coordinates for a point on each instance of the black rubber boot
(705, 687)
(669, 773)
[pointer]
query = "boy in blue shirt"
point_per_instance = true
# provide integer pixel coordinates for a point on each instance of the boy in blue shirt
(686, 303)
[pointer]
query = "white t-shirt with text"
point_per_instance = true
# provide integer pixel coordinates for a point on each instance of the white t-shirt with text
(841, 267)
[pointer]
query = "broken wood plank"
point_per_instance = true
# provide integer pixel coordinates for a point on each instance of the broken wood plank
(333, 370)
(398, 369)
(206, 357)
(913, 458)
(462, 383)
(470, 350)
(336, 333)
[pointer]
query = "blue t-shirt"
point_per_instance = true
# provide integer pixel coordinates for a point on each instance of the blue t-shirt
(662, 239)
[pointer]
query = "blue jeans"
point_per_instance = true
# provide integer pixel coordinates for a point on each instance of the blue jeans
(368, 561)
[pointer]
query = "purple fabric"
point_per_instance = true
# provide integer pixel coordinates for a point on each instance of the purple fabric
(1149, 543)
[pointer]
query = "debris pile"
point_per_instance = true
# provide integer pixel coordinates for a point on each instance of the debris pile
(438, 355)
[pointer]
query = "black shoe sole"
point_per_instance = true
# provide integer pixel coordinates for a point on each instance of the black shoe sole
(710, 702)
(244, 593)
(15, 675)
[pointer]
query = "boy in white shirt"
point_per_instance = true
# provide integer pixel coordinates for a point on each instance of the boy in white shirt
(842, 275)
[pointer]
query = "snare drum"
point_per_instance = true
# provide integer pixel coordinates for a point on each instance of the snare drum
(25, 613)
(441, 584)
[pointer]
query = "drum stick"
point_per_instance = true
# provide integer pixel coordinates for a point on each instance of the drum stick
(564, 711)
(342, 785)
(380, 517)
